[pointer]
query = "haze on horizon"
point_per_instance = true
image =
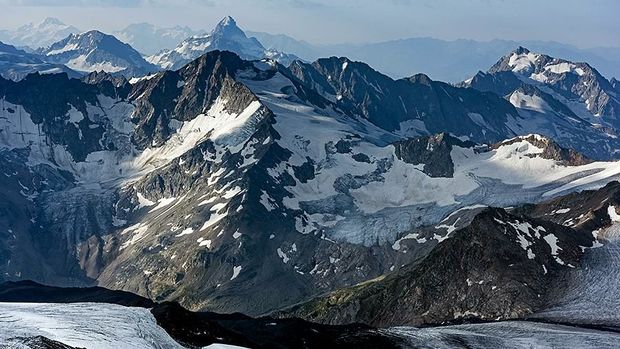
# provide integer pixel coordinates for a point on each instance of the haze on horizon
(580, 23)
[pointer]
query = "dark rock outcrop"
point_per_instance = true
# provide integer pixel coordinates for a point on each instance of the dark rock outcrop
(431, 151)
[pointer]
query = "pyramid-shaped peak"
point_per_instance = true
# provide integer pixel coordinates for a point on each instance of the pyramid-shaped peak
(227, 26)
(228, 21)
(93, 35)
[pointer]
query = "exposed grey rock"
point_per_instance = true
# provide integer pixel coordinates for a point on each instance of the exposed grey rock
(432, 151)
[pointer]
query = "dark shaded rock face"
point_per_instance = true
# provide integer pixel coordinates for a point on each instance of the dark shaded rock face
(49, 108)
(201, 329)
(412, 106)
(584, 211)
(501, 266)
(32, 292)
(431, 151)
(186, 93)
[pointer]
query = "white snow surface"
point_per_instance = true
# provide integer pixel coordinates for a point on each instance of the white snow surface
(508, 335)
(477, 179)
(613, 214)
(81, 63)
(88, 325)
(523, 62)
(127, 164)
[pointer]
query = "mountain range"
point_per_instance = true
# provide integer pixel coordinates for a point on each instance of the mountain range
(122, 180)
(329, 202)
(35, 35)
(450, 61)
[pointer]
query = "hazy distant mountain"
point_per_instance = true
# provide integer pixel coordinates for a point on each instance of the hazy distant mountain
(285, 43)
(37, 35)
(440, 59)
(226, 36)
(149, 39)
(96, 51)
(15, 64)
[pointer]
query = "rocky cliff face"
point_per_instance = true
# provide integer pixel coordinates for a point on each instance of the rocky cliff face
(410, 107)
(433, 152)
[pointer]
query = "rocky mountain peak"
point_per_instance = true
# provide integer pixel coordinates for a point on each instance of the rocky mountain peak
(570, 101)
(227, 27)
(92, 34)
(521, 50)
(227, 21)
(340, 64)
(225, 36)
(420, 78)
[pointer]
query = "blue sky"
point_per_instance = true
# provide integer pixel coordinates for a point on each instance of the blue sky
(584, 23)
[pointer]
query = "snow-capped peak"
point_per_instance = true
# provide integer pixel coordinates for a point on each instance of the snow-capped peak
(39, 34)
(226, 36)
(537, 66)
(95, 51)
(522, 60)
(228, 28)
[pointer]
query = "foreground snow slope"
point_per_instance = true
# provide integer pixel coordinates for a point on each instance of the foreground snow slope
(508, 335)
(86, 325)
(593, 295)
